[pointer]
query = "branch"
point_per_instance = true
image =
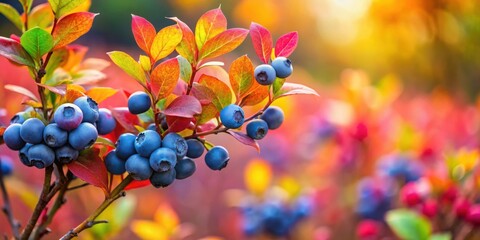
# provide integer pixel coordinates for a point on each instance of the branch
(14, 224)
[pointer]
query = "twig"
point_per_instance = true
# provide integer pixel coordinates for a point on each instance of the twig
(78, 186)
(7, 209)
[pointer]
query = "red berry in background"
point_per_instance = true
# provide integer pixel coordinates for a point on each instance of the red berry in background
(409, 195)
(473, 215)
(368, 229)
(461, 207)
(430, 208)
(449, 196)
(360, 131)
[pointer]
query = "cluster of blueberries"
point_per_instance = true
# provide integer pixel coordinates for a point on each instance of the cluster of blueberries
(280, 67)
(75, 127)
(274, 217)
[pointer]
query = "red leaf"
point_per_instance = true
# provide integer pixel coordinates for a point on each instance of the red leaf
(21, 90)
(224, 42)
(137, 184)
(209, 25)
(164, 78)
(286, 44)
(60, 90)
(262, 41)
(177, 124)
(243, 138)
(13, 51)
(71, 27)
(143, 32)
(125, 118)
(187, 47)
(184, 106)
(90, 168)
(2, 131)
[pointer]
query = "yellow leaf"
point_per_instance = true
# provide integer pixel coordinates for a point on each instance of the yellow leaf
(167, 217)
(258, 175)
(73, 92)
(99, 94)
(165, 42)
(149, 230)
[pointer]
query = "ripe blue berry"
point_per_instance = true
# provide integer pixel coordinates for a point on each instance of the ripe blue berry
(152, 127)
(185, 168)
(146, 142)
(139, 102)
(82, 137)
(125, 146)
(66, 154)
(105, 123)
(12, 137)
(257, 129)
(89, 108)
(23, 155)
(6, 165)
(163, 179)
(163, 159)
(41, 156)
(68, 116)
(283, 67)
(232, 116)
(177, 143)
(195, 148)
(265, 74)
(217, 158)
(18, 118)
(138, 167)
(32, 131)
(54, 136)
(114, 164)
(273, 116)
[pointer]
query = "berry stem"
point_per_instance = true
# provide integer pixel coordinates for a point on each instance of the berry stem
(7, 209)
(117, 193)
(192, 78)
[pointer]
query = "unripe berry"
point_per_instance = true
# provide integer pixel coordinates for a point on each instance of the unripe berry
(139, 102)
(265, 74)
(368, 229)
(409, 195)
(232, 116)
(473, 215)
(430, 208)
(461, 207)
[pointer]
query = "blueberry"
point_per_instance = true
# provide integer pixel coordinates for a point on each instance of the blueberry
(257, 129)
(163, 159)
(185, 168)
(195, 148)
(125, 146)
(139, 102)
(54, 136)
(12, 137)
(66, 154)
(32, 131)
(152, 127)
(232, 116)
(138, 167)
(89, 108)
(18, 118)
(163, 179)
(164, 124)
(273, 116)
(23, 155)
(105, 123)
(68, 116)
(177, 143)
(41, 156)
(217, 158)
(114, 164)
(265, 74)
(6, 165)
(82, 137)
(303, 207)
(283, 67)
(146, 142)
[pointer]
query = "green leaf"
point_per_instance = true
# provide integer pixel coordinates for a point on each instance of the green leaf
(62, 7)
(441, 236)
(223, 94)
(408, 224)
(13, 51)
(37, 42)
(128, 65)
(105, 141)
(26, 4)
(12, 15)
(185, 69)
(277, 85)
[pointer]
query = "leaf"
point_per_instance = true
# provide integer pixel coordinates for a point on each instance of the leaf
(408, 224)
(128, 65)
(185, 69)
(13, 51)
(185, 106)
(125, 118)
(99, 94)
(222, 43)
(187, 47)
(63, 7)
(223, 94)
(145, 63)
(177, 124)
(206, 97)
(26, 4)
(41, 16)
(164, 78)
(241, 76)
(105, 141)
(209, 25)
(441, 236)
(73, 92)
(243, 138)
(137, 184)
(36, 42)
(21, 90)
(294, 89)
(55, 89)
(90, 168)
(165, 42)
(94, 64)
(12, 15)
(143, 32)
(286, 44)
(256, 95)
(71, 27)
(277, 85)
(262, 41)
(88, 76)
(58, 58)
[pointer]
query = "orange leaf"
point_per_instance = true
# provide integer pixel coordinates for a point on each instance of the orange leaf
(165, 77)
(209, 25)
(143, 32)
(73, 92)
(99, 94)
(165, 42)
(224, 42)
(256, 95)
(71, 27)
(187, 47)
(223, 94)
(241, 76)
